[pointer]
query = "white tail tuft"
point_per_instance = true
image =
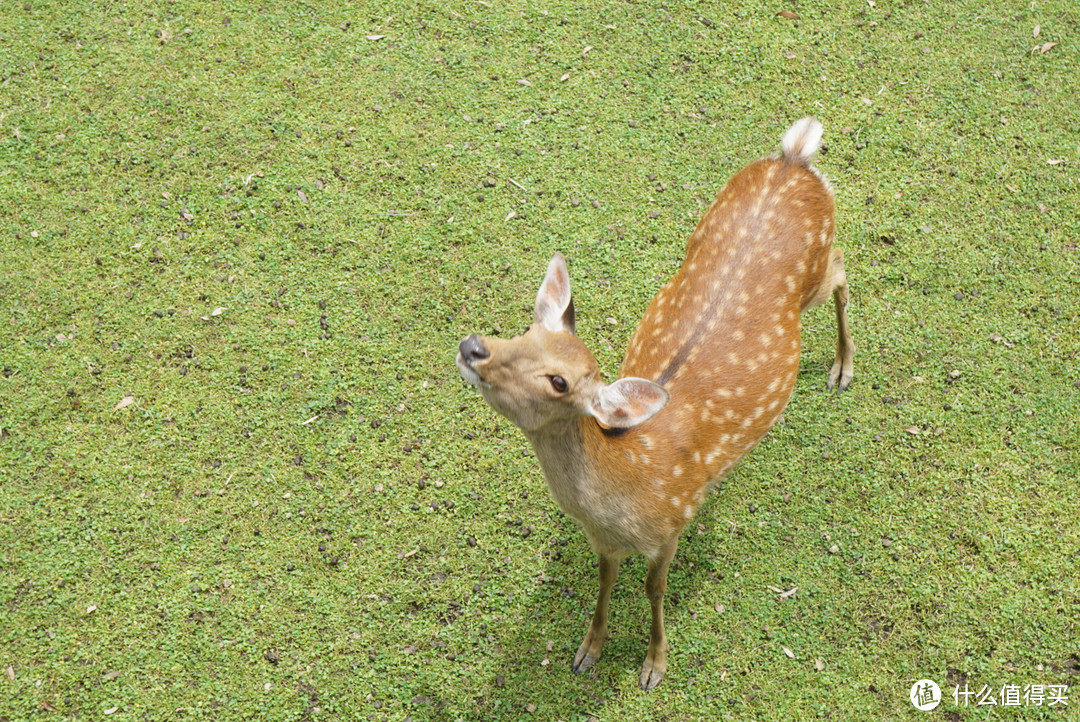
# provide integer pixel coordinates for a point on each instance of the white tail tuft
(802, 141)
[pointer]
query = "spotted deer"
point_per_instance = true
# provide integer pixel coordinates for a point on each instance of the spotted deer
(709, 370)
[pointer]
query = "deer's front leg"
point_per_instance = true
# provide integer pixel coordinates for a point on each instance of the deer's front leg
(655, 584)
(593, 644)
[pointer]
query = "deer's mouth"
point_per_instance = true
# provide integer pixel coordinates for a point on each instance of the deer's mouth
(469, 373)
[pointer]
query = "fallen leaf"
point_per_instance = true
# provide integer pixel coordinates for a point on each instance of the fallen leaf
(408, 554)
(524, 82)
(318, 184)
(719, 608)
(91, 609)
(1035, 32)
(217, 311)
(110, 675)
(1055, 161)
(1046, 48)
(124, 403)
(305, 423)
(788, 652)
(302, 195)
(510, 215)
(11, 673)
(586, 50)
(789, 593)
(111, 710)
(819, 664)
(913, 430)
(787, 14)
(375, 37)
(564, 78)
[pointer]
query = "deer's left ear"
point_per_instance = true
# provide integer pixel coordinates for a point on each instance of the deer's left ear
(554, 309)
(628, 402)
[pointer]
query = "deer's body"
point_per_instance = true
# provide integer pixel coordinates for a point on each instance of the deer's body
(709, 371)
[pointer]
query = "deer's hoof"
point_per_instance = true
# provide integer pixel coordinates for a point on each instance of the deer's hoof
(583, 660)
(650, 677)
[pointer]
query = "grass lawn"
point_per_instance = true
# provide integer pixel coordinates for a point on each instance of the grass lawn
(240, 477)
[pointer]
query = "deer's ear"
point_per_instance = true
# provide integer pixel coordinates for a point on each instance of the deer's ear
(554, 309)
(628, 402)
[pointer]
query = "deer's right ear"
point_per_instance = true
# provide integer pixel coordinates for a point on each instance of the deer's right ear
(554, 308)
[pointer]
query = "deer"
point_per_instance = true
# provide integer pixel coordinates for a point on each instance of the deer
(709, 370)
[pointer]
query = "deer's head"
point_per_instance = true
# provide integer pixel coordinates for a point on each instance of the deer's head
(547, 374)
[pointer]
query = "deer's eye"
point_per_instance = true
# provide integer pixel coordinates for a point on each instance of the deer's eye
(558, 383)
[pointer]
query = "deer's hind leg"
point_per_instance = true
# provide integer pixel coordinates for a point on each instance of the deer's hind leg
(843, 368)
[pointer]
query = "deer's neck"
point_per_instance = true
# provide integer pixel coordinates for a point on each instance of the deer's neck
(561, 449)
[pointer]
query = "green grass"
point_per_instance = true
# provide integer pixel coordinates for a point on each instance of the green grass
(244, 564)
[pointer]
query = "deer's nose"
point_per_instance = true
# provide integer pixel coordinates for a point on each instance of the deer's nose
(472, 350)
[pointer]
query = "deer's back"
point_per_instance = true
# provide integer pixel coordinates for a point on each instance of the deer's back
(723, 335)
